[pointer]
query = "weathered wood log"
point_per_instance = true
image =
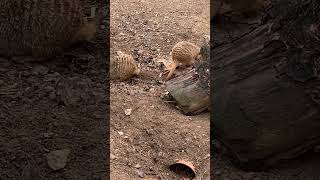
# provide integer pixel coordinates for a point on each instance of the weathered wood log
(189, 95)
(260, 112)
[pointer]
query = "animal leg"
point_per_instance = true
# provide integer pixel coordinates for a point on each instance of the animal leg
(172, 69)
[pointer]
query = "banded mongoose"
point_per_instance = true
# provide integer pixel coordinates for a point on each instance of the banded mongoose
(42, 29)
(123, 66)
(185, 53)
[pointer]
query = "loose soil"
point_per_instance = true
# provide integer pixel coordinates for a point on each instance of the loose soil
(54, 105)
(156, 133)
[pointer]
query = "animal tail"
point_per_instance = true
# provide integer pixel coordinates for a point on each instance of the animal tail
(172, 69)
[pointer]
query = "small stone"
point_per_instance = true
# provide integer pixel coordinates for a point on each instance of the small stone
(58, 159)
(47, 135)
(129, 164)
(137, 166)
(218, 173)
(152, 90)
(128, 112)
(112, 156)
(120, 133)
(150, 131)
(40, 70)
(207, 156)
(140, 52)
(140, 173)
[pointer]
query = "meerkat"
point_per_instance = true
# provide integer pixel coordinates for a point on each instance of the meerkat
(41, 29)
(185, 53)
(123, 67)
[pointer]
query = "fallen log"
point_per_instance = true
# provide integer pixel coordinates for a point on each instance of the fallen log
(190, 97)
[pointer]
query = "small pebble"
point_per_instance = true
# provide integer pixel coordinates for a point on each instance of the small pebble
(128, 112)
(140, 173)
(217, 172)
(40, 70)
(47, 135)
(112, 156)
(58, 159)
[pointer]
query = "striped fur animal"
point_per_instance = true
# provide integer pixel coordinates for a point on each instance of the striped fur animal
(41, 29)
(123, 67)
(185, 53)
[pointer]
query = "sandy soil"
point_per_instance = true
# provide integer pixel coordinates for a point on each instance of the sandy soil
(54, 105)
(156, 133)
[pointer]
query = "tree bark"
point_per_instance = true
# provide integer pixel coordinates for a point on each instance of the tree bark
(189, 95)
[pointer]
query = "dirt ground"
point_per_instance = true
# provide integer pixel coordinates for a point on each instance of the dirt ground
(54, 105)
(146, 142)
(305, 167)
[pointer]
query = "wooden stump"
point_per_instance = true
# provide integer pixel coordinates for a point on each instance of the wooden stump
(190, 97)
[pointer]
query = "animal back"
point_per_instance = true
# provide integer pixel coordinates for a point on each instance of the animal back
(185, 52)
(123, 67)
(38, 27)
